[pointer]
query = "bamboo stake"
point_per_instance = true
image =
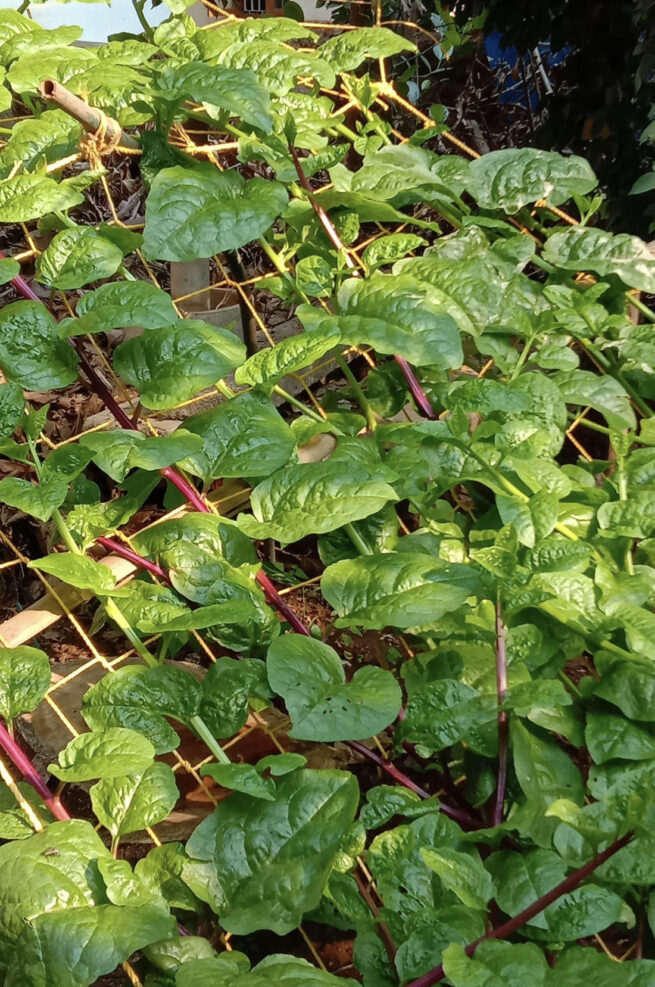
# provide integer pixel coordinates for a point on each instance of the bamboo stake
(92, 119)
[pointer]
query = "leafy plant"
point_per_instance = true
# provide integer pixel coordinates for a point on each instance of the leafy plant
(489, 591)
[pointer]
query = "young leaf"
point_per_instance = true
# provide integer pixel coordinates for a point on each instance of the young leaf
(316, 497)
(31, 352)
(397, 589)
(234, 90)
(347, 51)
(244, 436)
(389, 249)
(310, 678)
(289, 356)
(77, 570)
(199, 212)
(119, 451)
(24, 680)
(496, 964)
(131, 802)
(241, 778)
(120, 304)
(515, 177)
(279, 874)
(76, 257)
(171, 365)
(39, 501)
(103, 754)
(28, 197)
(589, 249)
(462, 874)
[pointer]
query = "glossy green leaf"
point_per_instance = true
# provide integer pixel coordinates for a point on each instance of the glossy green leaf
(403, 174)
(76, 257)
(522, 878)
(397, 589)
(630, 685)
(241, 778)
(515, 177)
(121, 304)
(38, 501)
(445, 712)
(119, 451)
(9, 269)
(462, 874)
(398, 315)
(28, 197)
(389, 249)
(234, 90)
(77, 570)
(277, 67)
(602, 393)
(244, 436)
(75, 946)
(273, 879)
(288, 971)
(289, 356)
(199, 212)
(229, 687)
(347, 51)
(533, 519)
(310, 677)
(24, 680)
(496, 964)
(103, 754)
(54, 134)
(12, 404)
(171, 365)
(160, 872)
(131, 802)
(583, 249)
(31, 352)
(316, 497)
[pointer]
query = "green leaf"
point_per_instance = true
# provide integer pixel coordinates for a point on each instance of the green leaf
(578, 967)
(197, 549)
(77, 257)
(590, 249)
(28, 197)
(462, 874)
(444, 712)
(602, 393)
(24, 680)
(131, 802)
(87, 522)
(313, 498)
(496, 964)
(121, 304)
(630, 685)
(347, 51)
(72, 948)
(289, 356)
(389, 249)
(119, 451)
(199, 212)
(273, 879)
(141, 698)
(31, 352)
(522, 878)
(241, 778)
(53, 135)
(278, 67)
(244, 437)
(12, 404)
(160, 872)
(38, 501)
(403, 174)
(398, 314)
(397, 589)
(171, 365)
(227, 691)
(103, 754)
(533, 519)
(287, 971)
(314, 277)
(515, 177)
(234, 90)
(583, 912)
(310, 678)
(633, 518)
(77, 570)
(609, 736)
(9, 269)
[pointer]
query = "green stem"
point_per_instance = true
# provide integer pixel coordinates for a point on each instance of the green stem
(622, 484)
(226, 391)
(306, 410)
(641, 307)
(360, 544)
(525, 352)
(569, 684)
(115, 614)
(138, 10)
(202, 730)
(369, 414)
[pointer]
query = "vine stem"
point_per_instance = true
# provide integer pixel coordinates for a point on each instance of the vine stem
(118, 548)
(415, 389)
(503, 720)
(30, 774)
(508, 928)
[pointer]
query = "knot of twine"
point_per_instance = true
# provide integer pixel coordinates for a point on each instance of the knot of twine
(101, 141)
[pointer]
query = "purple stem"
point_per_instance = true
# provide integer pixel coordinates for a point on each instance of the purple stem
(118, 548)
(508, 928)
(415, 389)
(503, 720)
(30, 774)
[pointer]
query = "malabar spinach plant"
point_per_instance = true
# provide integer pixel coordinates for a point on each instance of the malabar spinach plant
(504, 820)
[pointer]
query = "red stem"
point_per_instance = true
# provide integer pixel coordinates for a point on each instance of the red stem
(508, 928)
(503, 720)
(118, 548)
(30, 774)
(415, 389)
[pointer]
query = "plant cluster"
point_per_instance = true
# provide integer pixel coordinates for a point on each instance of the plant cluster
(453, 511)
